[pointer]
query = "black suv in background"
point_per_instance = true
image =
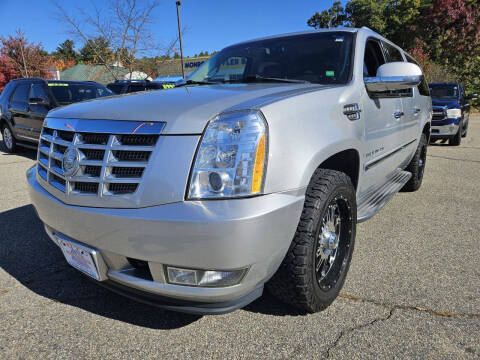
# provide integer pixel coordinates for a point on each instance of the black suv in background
(451, 112)
(129, 86)
(24, 103)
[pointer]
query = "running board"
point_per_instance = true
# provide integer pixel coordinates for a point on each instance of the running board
(372, 201)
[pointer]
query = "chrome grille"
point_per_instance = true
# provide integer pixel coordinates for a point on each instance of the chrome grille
(439, 114)
(110, 163)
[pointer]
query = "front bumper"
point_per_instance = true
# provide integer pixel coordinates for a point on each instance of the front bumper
(210, 235)
(444, 128)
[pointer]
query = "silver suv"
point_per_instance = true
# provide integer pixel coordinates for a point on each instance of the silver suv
(253, 172)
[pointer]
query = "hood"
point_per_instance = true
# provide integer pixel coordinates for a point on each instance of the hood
(186, 110)
(449, 103)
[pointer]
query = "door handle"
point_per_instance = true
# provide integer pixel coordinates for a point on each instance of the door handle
(398, 114)
(416, 110)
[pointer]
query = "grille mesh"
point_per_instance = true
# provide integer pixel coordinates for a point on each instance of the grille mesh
(86, 187)
(148, 140)
(97, 151)
(127, 172)
(93, 170)
(99, 139)
(119, 188)
(131, 155)
(93, 154)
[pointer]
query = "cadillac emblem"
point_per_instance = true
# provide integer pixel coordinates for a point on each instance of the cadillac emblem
(71, 161)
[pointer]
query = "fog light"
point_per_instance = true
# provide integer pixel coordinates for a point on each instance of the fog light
(205, 278)
(182, 276)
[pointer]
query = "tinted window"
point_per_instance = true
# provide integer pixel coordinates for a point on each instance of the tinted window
(373, 58)
(154, 86)
(116, 88)
(21, 93)
(135, 88)
(67, 93)
(38, 91)
(319, 58)
(393, 53)
(444, 90)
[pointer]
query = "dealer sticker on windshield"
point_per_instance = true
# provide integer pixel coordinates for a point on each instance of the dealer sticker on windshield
(79, 257)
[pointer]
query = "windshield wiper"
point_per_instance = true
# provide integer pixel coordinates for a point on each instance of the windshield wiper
(260, 78)
(195, 82)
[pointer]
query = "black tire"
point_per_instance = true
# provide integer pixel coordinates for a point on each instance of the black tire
(297, 282)
(417, 166)
(465, 128)
(456, 140)
(8, 146)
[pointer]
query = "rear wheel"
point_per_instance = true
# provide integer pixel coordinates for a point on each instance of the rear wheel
(417, 166)
(8, 139)
(314, 269)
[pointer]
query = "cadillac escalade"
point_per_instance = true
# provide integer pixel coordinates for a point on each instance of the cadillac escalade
(251, 173)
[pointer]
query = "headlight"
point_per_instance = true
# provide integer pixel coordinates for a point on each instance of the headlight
(231, 158)
(454, 113)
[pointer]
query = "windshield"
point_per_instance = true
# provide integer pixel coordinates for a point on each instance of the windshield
(444, 91)
(67, 93)
(323, 58)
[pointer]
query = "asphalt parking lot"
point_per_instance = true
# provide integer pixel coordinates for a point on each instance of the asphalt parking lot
(413, 290)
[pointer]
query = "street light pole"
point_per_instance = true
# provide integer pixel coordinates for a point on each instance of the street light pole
(23, 58)
(178, 3)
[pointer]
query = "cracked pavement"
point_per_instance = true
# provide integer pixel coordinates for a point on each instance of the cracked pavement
(413, 289)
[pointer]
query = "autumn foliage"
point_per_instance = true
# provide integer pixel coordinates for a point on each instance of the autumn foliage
(21, 58)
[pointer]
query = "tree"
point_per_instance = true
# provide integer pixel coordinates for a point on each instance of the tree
(333, 17)
(61, 65)
(127, 26)
(452, 31)
(65, 51)
(440, 33)
(27, 59)
(96, 51)
(7, 71)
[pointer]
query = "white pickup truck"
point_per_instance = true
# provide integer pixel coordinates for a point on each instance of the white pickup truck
(254, 171)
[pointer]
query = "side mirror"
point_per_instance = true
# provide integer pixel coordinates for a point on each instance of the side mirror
(39, 101)
(472, 96)
(394, 76)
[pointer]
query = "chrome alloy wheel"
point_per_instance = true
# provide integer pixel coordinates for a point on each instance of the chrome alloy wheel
(7, 138)
(333, 244)
(328, 240)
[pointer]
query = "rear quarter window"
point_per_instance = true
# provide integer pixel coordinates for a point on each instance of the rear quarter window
(21, 93)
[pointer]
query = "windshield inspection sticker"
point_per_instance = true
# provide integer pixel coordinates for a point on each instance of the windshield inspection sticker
(57, 84)
(329, 73)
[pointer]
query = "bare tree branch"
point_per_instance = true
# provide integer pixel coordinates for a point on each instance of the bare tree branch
(125, 25)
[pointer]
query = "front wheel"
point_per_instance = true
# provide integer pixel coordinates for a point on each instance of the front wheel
(314, 269)
(456, 140)
(8, 139)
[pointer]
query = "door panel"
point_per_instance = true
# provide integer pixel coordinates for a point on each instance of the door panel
(37, 112)
(383, 119)
(18, 107)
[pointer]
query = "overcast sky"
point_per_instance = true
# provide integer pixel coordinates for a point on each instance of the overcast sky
(211, 24)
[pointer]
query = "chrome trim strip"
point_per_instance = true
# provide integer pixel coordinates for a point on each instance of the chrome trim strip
(105, 126)
(377, 161)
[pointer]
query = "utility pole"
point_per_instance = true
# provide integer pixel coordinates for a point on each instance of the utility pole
(178, 3)
(23, 58)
